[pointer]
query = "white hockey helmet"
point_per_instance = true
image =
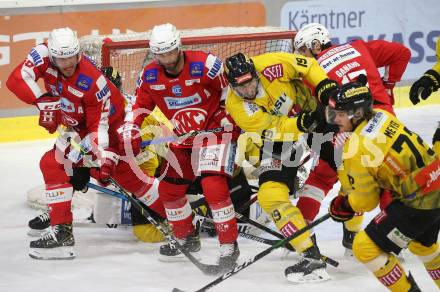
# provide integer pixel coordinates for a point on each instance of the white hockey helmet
(164, 38)
(310, 33)
(62, 43)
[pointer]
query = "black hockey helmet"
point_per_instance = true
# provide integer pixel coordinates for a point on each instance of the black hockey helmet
(350, 98)
(113, 75)
(239, 69)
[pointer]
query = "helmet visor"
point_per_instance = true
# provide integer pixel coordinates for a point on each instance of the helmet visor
(337, 116)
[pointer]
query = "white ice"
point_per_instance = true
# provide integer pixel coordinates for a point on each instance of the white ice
(112, 260)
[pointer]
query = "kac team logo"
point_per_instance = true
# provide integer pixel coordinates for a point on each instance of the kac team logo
(189, 119)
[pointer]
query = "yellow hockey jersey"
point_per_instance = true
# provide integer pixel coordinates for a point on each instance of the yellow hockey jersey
(280, 89)
(383, 154)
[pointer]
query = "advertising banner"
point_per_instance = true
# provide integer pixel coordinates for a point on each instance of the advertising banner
(19, 33)
(413, 23)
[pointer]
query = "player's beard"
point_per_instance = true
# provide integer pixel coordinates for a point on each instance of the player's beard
(251, 95)
(69, 71)
(172, 67)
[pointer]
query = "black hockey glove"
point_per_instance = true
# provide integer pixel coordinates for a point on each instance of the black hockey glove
(309, 122)
(326, 89)
(436, 137)
(80, 178)
(422, 88)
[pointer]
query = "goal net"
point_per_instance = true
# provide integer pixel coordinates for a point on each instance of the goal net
(129, 53)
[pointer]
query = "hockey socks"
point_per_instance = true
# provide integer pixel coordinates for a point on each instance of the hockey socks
(392, 275)
(274, 199)
(179, 217)
(430, 256)
(59, 199)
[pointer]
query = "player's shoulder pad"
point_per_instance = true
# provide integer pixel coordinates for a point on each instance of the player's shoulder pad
(39, 55)
(272, 65)
(88, 75)
(103, 89)
(89, 60)
(375, 125)
(214, 66)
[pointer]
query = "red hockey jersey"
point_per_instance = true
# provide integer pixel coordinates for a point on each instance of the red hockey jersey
(188, 100)
(89, 102)
(343, 63)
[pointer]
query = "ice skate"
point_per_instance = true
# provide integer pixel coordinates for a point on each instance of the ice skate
(39, 225)
(56, 244)
(309, 270)
(170, 253)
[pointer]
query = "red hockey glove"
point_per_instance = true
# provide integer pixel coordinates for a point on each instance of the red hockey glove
(109, 162)
(386, 198)
(50, 114)
(340, 209)
(129, 137)
(389, 86)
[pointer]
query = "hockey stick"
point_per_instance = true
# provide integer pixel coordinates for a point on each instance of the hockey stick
(205, 268)
(202, 202)
(242, 231)
(259, 256)
(243, 218)
(251, 222)
(106, 191)
(249, 236)
(173, 138)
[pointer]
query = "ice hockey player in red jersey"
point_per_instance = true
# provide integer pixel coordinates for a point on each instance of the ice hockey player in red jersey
(187, 86)
(80, 98)
(344, 63)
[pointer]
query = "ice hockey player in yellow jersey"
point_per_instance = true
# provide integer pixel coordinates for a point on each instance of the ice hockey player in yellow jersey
(264, 93)
(382, 153)
(424, 87)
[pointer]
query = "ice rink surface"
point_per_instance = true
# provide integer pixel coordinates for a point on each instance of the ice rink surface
(112, 260)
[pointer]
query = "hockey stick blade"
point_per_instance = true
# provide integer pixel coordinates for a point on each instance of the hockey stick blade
(262, 254)
(175, 138)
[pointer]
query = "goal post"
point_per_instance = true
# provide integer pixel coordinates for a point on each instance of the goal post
(129, 53)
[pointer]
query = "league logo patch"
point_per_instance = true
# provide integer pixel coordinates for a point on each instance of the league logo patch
(150, 75)
(196, 69)
(177, 90)
(84, 82)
